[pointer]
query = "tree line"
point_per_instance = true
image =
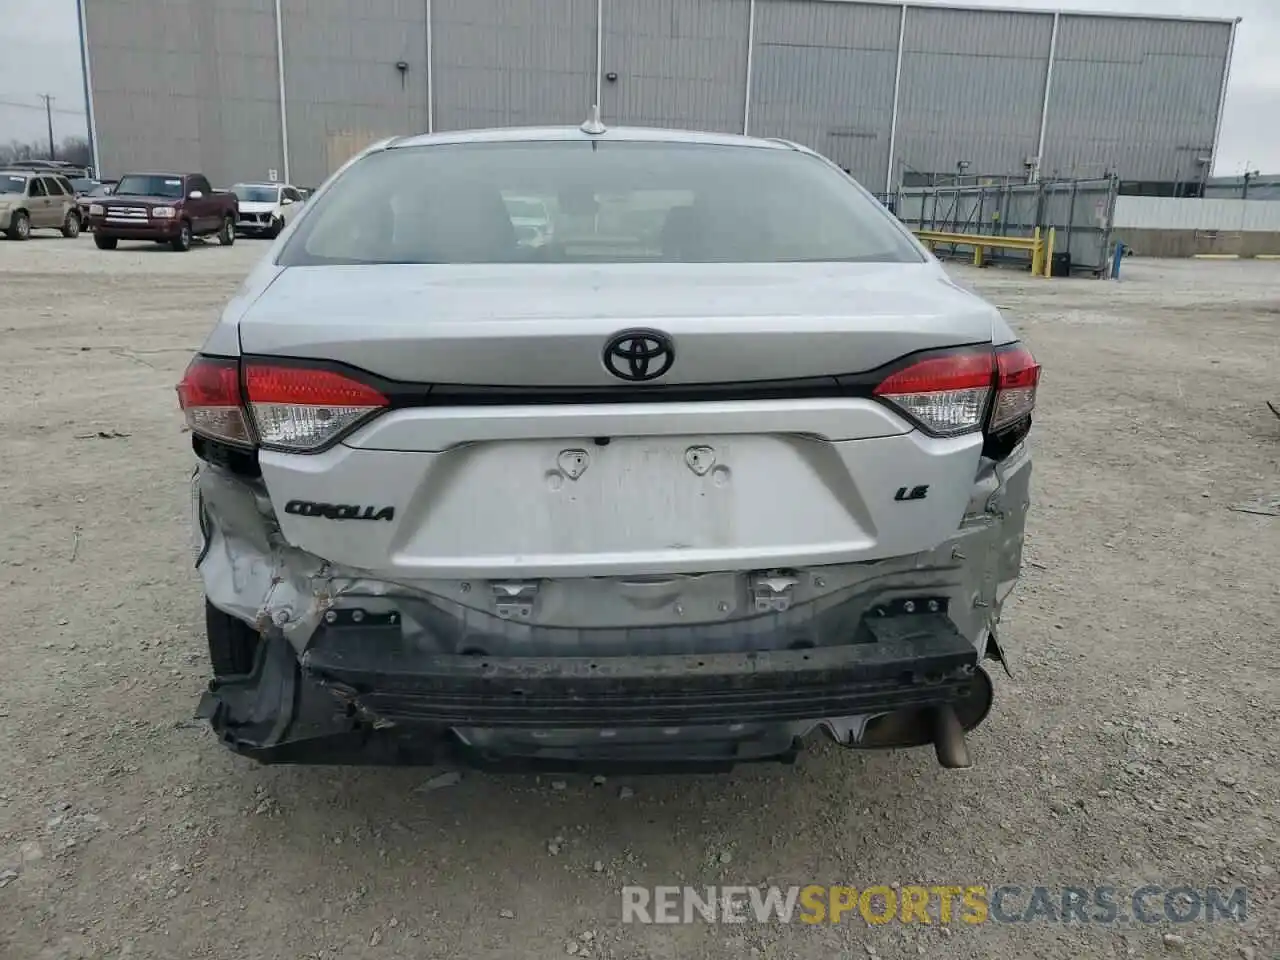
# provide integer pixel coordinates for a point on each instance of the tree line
(71, 149)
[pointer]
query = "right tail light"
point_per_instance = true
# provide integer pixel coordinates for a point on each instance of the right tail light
(961, 391)
(1017, 376)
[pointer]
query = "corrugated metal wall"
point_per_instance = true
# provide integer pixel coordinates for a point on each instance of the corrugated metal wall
(1233, 188)
(1184, 213)
(186, 85)
(1134, 97)
(342, 87)
(679, 63)
(192, 83)
(512, 62)
(972, 90)
(823, 76)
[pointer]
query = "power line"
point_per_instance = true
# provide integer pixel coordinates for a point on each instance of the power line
(32, 106)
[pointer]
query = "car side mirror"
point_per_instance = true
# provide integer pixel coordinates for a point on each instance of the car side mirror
(195, 195)
(287, 200)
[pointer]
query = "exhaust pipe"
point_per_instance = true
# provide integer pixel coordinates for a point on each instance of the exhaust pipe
(944, 727)
(948, 739)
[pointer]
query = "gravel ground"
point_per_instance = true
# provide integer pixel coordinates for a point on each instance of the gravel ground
(1136, 742)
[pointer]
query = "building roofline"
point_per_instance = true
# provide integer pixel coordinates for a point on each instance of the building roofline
(1063, 11)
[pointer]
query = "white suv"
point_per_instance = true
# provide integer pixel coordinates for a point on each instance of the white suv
(725, 461)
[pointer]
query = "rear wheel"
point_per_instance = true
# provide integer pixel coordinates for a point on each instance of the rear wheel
(71, 225)
(19, 226)
(227, 235)
(105, 243)
(182, 242)
(233, 644)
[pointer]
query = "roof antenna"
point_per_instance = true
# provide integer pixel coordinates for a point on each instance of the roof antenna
(593, 123)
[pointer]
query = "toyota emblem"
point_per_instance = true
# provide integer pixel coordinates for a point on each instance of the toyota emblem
(639, 355)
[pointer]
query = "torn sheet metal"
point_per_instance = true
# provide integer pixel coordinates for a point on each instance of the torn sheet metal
(252, 573)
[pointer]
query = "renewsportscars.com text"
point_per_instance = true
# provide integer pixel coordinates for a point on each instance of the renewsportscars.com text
(942, 904)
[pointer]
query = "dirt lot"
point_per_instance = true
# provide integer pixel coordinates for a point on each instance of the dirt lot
(1136, 743)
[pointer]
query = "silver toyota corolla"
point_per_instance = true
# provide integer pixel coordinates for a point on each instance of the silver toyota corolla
(724, 462)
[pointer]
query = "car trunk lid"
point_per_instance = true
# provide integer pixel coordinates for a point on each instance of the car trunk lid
(496, 488)
(546, 325)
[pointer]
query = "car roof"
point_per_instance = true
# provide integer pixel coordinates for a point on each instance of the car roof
(622, 134)
(158, 173)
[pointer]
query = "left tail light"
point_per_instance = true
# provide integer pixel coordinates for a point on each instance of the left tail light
(297, 409)
(302, 409)
(209, 395)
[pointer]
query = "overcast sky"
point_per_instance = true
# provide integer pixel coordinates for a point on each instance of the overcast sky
(40, 40)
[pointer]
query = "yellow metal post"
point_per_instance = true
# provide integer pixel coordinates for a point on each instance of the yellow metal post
(1037, 254)
(977, 254)
(1048, 253)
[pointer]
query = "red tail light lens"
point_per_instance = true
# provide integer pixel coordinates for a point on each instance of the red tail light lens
(1017, 377)
(302, 409)
(946, 394)
(209, 395)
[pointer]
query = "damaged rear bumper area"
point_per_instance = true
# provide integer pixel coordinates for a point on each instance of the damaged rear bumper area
(357, 670)
(364, 692)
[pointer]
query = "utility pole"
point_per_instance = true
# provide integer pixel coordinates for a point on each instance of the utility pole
(48, 115)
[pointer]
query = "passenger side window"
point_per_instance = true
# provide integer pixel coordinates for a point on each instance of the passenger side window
(35, 188)
(292, 194)
(65, 185)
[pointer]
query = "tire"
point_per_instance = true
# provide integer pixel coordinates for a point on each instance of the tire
(105, 243)
(277, 225)
(227, 235)
(182, 242)
(71, 225)
(19, 226)
(233, 644)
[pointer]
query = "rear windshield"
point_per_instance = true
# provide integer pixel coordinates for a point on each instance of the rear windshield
(607, 201)
(148, 185)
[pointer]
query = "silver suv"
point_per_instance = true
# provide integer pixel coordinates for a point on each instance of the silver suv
(725, 461)
(35, 201)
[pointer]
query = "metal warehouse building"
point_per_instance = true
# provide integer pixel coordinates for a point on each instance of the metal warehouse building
(244, 89)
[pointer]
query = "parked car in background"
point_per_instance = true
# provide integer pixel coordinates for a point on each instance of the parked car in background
(87, 190)
(169, 208)
(531, 220)
(266, 208)
(37, 201)
(63, 167)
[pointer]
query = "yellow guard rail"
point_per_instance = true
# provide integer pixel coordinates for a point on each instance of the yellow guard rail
(1041, 248)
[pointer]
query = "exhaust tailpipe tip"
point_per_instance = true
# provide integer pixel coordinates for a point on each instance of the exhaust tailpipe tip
(948, 739)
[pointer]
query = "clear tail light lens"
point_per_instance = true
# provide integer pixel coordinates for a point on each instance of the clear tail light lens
(209, 395)
(1017, 376)
(303, 409)
(945, 394)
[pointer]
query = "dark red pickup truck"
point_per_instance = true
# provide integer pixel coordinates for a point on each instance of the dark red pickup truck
(168, 208)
